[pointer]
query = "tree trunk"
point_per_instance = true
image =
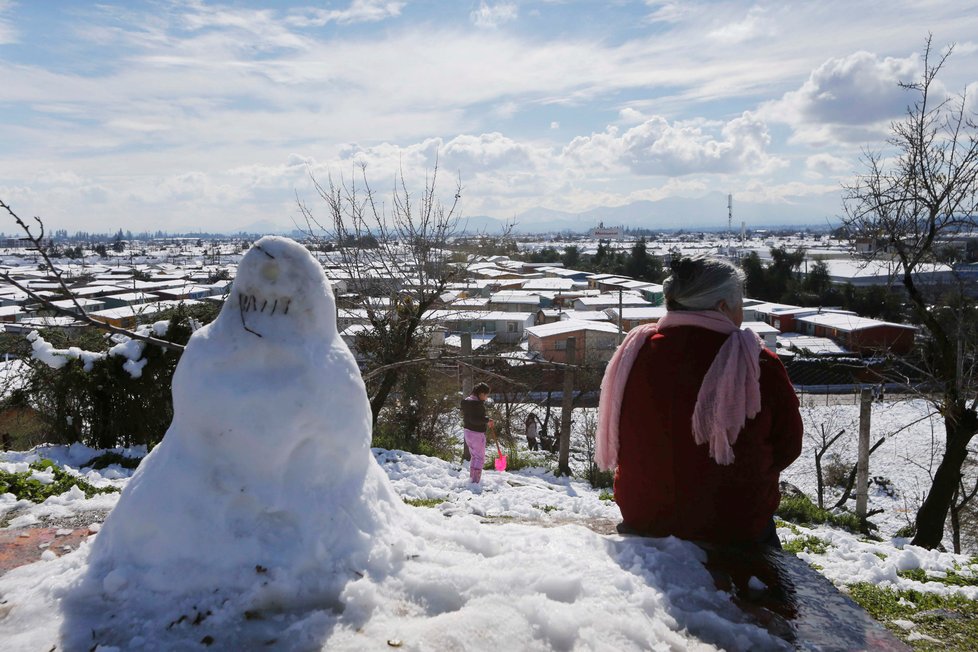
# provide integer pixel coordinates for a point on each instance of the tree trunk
(932, 514)
(956, 523)
(386, 386)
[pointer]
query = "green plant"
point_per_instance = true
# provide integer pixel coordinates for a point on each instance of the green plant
(99, 402)
(424, 502)
(927, 611)
(950, 579)
(606, 495)
(546, 508)
(809, 543)
(110, 458)
(785, 524)
(801, 510)
(836, 472)
(25, 487)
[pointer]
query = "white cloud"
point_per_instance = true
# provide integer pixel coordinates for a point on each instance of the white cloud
(827, 165)
(554, 125)
(851, 98)
(630, 116)
(8, 34)
(784, 193)
(359, 11)
(661, 148)
(666, 12)
(754, 25)
(493, 15)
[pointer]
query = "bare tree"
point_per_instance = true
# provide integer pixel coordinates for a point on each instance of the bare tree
(396, 264)
(825, 441)
(962, 509)
(912, 199)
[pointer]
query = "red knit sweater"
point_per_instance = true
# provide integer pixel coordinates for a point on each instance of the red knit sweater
(667, 485)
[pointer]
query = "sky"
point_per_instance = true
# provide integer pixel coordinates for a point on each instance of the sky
(184, 115)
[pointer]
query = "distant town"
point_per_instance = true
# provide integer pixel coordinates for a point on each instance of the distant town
(519, 297)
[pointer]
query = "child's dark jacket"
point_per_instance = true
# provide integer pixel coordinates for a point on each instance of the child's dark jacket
(474, 414)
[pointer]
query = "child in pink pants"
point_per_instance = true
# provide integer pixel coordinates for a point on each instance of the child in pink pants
(475, 422)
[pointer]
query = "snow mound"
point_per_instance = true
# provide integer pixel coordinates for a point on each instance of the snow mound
(264, 490)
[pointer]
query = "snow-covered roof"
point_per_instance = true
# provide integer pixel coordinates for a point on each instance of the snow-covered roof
(817, 345)
(549, 284)
(610, 300)
(759, 327)
(570, 326)
(585, 315)
(848, 322)
(478, 340)
(640, 312)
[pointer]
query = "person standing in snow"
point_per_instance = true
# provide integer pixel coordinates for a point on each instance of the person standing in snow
(532, 429)
(697, 418)
(475, 421)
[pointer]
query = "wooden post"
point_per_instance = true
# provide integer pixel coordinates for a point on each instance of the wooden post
(467, 383)
(566, 409)
(862, 464)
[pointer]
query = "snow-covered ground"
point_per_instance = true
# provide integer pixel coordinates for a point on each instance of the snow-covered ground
(263, 520)
(523, 562)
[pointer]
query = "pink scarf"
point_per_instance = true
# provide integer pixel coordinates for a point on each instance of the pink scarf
(729, 396)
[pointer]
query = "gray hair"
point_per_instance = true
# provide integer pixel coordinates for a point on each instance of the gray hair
(700, 283)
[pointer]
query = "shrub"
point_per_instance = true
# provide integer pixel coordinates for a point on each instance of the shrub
(959, 631)
(835, 472)
(110, 458)
(24, 487)
(424, 502)
(801, 510)
(809, 543)
(99, 402)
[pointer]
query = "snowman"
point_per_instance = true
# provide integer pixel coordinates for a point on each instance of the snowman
(264, 485)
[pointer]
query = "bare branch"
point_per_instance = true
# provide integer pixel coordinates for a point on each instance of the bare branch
(79, 312)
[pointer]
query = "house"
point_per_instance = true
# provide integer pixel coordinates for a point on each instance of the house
(515, 302)
(809, 344)
(72, 306)
(128, 299)
(767, 333)
(506, 327)
(186, 292)
(859, 334)
(585, 315)
(554, 285)
(597, 340)
(632, 317)
(604, 301)
(10, 314)
(130, 316)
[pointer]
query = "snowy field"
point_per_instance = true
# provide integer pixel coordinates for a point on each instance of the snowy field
(523, 562)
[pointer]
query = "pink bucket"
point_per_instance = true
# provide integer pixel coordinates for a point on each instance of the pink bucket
(500, 460)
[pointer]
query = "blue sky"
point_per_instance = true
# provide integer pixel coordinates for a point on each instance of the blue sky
(190, 115)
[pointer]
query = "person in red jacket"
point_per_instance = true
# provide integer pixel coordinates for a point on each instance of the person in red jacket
(697, 418)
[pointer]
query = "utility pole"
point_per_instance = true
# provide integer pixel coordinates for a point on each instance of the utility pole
(467, 383)
(566, 409)
(620, 315)
(862, 463)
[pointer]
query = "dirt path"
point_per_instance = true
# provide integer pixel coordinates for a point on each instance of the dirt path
(26, 545)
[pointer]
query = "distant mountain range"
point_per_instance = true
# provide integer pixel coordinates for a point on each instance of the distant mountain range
(708, 212)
